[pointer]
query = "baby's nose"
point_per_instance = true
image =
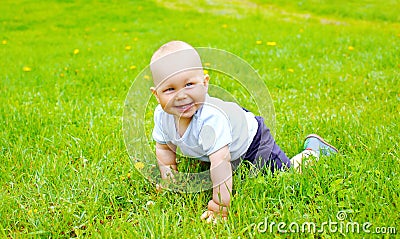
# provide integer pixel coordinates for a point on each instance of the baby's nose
(181, 95)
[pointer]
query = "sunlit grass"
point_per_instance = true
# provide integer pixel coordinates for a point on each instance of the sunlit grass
(66, 68)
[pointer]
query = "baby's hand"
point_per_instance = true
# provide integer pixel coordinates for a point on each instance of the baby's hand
(209, 216)
(214, 213)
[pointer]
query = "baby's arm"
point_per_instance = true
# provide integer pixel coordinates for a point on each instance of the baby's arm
(221, 176)
(166, 158)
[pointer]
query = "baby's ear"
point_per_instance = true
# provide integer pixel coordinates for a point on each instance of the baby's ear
(206, 79)
(154, 92)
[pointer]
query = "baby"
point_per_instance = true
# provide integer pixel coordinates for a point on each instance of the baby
(210, 129)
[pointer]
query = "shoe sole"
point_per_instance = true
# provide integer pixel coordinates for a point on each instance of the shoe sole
(322, 140)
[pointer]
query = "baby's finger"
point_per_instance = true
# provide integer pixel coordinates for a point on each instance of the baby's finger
(206, 215)
(211, 219)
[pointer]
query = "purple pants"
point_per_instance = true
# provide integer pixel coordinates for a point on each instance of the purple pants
(264, 152)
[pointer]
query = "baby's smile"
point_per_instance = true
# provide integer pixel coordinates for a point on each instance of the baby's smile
(184, 107)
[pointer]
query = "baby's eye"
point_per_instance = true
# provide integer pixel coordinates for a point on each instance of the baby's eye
(169, 89)
(189, 84)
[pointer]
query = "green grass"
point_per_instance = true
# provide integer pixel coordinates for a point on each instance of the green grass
(64, 169)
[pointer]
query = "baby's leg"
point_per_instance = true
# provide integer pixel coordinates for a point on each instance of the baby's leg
(313, 145)
(264, 152)
(297, 161)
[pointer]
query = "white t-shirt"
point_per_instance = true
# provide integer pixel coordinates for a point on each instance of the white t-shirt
(216, 124)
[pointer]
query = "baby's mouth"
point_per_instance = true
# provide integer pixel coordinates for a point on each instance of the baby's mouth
(184, 107)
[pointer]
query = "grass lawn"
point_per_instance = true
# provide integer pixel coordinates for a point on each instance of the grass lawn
(67, 66)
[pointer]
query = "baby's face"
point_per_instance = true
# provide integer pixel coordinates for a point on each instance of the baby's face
(182, 94)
